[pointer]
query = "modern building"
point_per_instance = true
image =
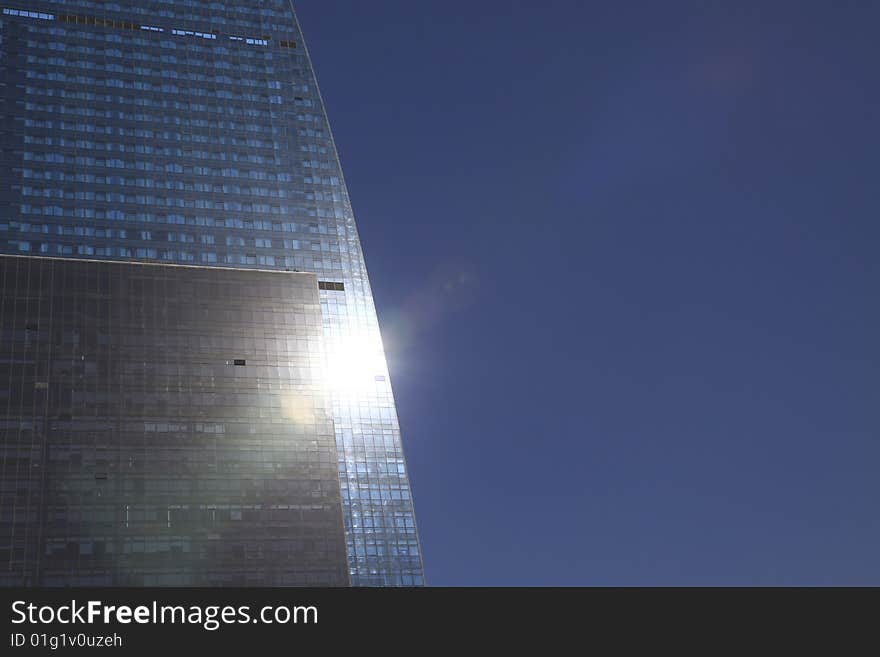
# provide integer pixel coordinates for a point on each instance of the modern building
(165, 425)
(191, 135)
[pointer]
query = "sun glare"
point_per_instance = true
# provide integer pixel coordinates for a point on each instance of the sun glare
(353, 363)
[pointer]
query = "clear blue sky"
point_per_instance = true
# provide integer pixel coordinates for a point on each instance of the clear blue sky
(625, 255)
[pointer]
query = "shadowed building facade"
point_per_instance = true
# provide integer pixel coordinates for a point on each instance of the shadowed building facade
(165, 425)
(193, 133)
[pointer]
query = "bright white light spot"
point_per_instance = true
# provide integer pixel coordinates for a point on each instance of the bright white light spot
(353, 363)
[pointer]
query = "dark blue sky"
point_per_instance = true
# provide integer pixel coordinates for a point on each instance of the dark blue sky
(625, 255)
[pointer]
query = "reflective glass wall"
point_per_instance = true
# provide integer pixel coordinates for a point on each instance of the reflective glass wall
(164, 426)
(194, 133)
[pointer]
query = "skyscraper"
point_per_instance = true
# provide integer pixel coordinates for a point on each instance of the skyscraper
(189, 132)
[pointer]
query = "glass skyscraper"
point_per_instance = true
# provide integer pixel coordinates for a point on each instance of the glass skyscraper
(192, 132)
(164, 425)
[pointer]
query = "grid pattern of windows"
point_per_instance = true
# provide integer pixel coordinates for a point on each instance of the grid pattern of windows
(137, 452)
(193, 132)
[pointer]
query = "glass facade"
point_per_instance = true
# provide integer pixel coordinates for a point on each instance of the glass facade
(193, 132)
(165, 425)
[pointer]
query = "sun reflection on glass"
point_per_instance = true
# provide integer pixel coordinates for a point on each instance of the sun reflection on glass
(353, 363)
